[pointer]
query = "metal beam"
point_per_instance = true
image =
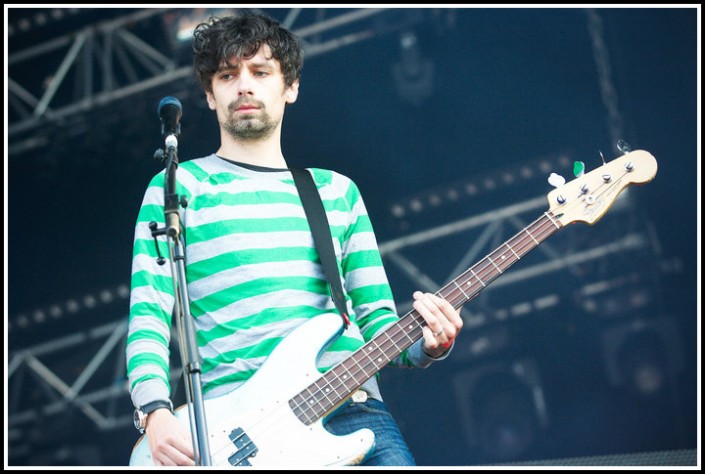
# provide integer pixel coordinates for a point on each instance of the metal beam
(630, 240)
(112, 40)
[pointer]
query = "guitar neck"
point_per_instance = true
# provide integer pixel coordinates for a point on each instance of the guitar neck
(340, 381)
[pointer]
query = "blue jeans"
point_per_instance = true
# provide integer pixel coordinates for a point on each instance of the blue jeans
(390, 447)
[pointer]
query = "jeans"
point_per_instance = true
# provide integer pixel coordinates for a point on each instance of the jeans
(390, 448)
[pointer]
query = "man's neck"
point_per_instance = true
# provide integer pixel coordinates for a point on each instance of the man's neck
(265, 153)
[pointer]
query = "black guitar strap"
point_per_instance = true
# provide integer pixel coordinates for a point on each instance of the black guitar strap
(318, 221)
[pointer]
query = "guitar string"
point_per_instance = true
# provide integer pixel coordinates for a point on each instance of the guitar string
(266, 427)
(496, 262)
(538, 231)
(600, 191)
(263, 427)
(366, 371)
(398, 329)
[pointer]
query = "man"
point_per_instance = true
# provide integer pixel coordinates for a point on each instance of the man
(252, 267)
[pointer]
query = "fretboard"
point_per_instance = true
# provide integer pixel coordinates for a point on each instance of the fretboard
(333, 387)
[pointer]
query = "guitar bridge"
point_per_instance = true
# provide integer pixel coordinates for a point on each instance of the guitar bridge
(245, 448)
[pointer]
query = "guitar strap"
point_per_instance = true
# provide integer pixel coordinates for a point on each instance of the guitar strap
(318, 221)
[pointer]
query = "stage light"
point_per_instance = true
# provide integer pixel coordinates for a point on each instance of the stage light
(413, 74)
(39, 316)
(71, 306)
(454, 192)
(183, 21)
(55, 311)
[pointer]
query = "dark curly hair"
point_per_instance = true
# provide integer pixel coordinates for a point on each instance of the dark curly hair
(220, 39)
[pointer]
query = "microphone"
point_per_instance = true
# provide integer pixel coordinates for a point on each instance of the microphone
(170, 113)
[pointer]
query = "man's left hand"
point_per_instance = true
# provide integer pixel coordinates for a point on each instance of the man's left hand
(443, 322)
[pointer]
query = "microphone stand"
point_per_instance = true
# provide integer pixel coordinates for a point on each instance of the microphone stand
(184, 322)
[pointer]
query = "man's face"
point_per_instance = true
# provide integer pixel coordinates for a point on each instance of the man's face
(249, 98)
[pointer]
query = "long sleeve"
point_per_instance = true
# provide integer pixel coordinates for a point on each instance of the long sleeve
(367, 284)
(151, 304)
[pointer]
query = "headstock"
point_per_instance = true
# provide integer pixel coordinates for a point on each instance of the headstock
(588, 197)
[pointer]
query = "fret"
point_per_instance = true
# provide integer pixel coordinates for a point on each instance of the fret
(397, 349)
(346, 376)
(335, 383)
(349, 374)
(296, 404)
(307, 404)
(380, 360)
(371, 358)
(495, 265)
(325, 391)
(338, 383)
(512, 250)
(553, 221)
(505, 259)
(478, 278)
(529, 233)
(314, 400)
(407, 333)
(358, 364)
(461, 290)
(305, 401)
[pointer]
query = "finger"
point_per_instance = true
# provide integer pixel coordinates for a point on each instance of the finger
(175, 449)
(431, 314)
(447, 317)
(178, 458)
(450, 314)
(430, 341)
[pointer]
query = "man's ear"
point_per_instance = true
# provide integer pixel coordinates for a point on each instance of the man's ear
(292, 92)
(211, 100)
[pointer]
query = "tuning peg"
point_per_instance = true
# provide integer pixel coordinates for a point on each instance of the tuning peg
(623, 146)
(578, 169)
(556, 180)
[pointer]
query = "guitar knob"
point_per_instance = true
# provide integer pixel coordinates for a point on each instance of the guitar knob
(629, 166)
(556, 180)
(606, 177)
(561, 199)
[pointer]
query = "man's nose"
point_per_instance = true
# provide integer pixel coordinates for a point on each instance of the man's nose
(245, 83)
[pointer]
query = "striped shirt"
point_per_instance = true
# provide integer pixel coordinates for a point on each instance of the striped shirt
(252, 273)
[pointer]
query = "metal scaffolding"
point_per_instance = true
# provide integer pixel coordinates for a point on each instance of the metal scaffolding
(85, 371)
(112, 60)
(39, 377)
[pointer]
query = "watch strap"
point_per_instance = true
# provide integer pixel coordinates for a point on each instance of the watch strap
(141, 413)
(155, 405)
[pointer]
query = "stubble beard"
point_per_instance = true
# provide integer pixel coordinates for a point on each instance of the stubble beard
(248, 128)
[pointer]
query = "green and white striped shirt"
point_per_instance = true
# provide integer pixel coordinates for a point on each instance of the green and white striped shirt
(253, 275)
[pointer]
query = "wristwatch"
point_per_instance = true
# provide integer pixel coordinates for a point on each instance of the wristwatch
(139, 417)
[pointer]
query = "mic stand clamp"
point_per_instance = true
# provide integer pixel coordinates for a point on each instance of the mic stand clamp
(187, 333)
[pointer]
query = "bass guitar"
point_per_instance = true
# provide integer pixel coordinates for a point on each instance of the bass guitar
(276, 417)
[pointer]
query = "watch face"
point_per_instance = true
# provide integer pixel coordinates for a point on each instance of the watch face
(137, 418)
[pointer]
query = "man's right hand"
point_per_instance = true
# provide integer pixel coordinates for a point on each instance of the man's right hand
(169, 439)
